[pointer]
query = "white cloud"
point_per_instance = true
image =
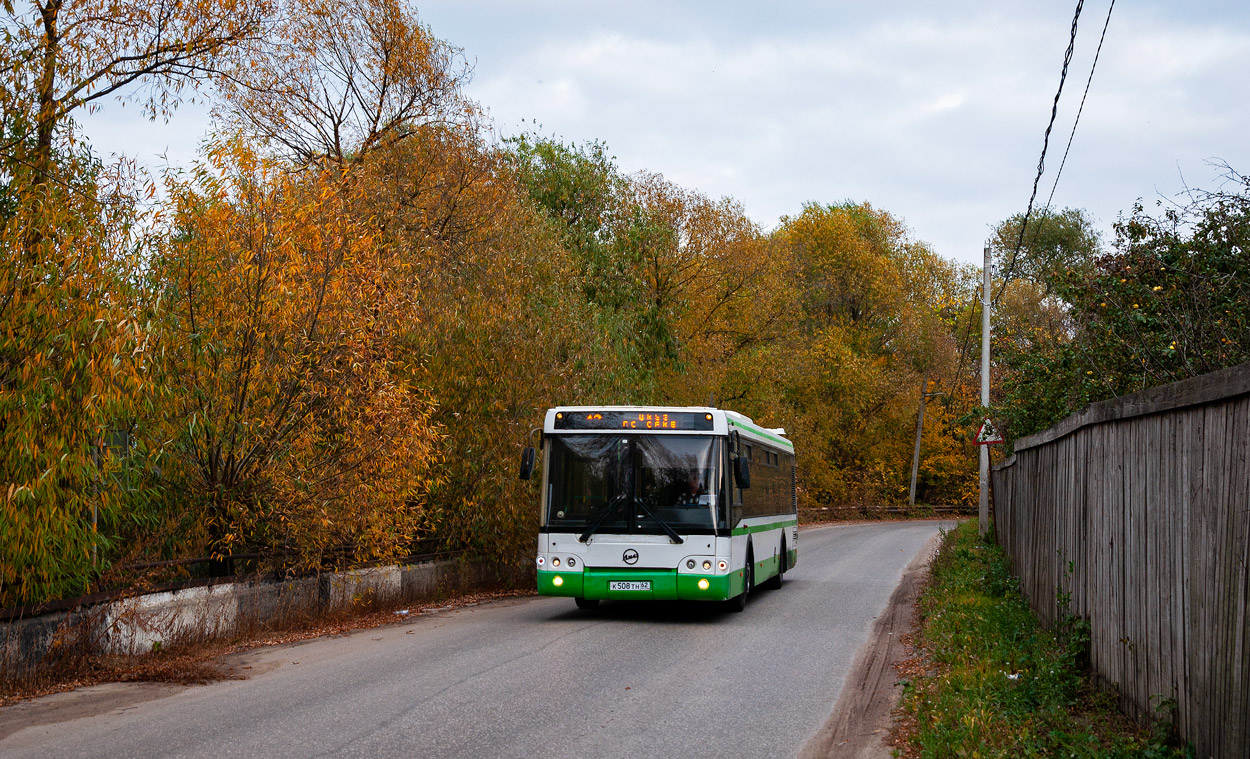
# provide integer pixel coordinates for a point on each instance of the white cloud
(932, 111)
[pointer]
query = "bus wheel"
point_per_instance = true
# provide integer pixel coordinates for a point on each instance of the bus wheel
(738, 603)
(748, 584)
(586, 603)
(774, 583)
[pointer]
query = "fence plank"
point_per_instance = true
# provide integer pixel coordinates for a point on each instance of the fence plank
(1137, 569)
(1139, 508)
(1239, 702)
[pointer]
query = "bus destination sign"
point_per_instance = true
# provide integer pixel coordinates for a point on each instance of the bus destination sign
(633, 420)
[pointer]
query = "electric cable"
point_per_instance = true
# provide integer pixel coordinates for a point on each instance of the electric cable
(1041, 162)
(1092, 66)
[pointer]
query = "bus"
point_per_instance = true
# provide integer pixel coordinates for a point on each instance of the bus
(651, 503)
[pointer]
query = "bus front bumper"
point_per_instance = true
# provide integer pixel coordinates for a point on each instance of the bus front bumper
(643, 584)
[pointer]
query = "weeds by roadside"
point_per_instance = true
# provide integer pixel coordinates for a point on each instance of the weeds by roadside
(987, 681)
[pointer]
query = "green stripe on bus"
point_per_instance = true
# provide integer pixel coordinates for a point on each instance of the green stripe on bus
(748, 529)
(761, 433)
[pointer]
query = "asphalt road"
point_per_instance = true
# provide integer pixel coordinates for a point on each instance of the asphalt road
(526, 677)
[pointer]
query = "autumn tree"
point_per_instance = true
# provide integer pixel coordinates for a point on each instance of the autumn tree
(681, 283)
(1166, 302)
(711, 287)
(501, 329)
(69, 379)
(60, 56)
(293, 427)
(71, 346)
(341, 78)
(851, 302)
(878, 314)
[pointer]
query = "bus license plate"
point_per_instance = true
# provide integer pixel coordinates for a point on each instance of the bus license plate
(630, 585)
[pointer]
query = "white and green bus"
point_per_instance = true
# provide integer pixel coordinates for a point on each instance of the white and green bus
(643, 503)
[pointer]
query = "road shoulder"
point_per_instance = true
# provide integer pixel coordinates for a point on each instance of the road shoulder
(80, 703)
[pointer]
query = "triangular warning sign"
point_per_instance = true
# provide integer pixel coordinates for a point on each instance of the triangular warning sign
(988, 434)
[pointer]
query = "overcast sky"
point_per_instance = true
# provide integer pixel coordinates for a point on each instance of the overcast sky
(933, 111)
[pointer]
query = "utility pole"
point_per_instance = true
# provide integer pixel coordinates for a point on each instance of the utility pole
(915, 456)
(983, 513)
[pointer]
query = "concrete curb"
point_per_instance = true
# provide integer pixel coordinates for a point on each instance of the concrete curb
(140, 623)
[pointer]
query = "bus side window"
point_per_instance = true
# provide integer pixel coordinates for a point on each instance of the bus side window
(794, 486)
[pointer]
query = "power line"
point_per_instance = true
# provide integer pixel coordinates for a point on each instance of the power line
(1093, 66)
(1067, 59)
(1041, 162)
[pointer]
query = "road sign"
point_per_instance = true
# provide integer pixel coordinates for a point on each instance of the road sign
(988, 434)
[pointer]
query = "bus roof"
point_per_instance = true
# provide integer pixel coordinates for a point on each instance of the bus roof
(660, 420)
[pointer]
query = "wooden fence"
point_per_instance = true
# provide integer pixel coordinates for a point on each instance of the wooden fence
(1139, 508)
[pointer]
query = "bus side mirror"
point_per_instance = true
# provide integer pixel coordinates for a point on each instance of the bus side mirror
(527, 462)
(742, 472)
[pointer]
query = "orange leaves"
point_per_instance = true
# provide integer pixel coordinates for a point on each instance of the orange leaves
(272, 342)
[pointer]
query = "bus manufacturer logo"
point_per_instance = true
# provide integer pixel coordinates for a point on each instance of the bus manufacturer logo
(630, 556)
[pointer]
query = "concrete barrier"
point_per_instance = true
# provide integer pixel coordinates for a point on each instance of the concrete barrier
(140, 623)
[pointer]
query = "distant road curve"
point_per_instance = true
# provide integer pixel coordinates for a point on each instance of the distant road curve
(528, 677)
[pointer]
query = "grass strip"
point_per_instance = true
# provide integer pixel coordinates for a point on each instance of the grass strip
(988, 681)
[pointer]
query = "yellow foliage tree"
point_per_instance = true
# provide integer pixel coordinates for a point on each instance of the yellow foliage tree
(875, 320)
(293, 426)
(68, 374)
(501, 331)
(70, 379)
(711, 282)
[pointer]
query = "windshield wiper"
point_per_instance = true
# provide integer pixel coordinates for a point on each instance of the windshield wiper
(663, 525)
(612, 506)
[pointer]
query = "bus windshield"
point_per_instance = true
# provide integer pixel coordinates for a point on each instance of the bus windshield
(633, 484)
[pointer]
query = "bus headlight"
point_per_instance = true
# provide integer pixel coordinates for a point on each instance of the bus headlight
(720, 565)
(703, 583)
(572, 562)
(557, 581)
(541, 561)
(555, 561)
(690, 564)
(707, 564)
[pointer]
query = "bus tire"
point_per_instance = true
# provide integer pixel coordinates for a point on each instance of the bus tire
(739, 602)
(774, 583)
(586, 603)
(749, 580)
